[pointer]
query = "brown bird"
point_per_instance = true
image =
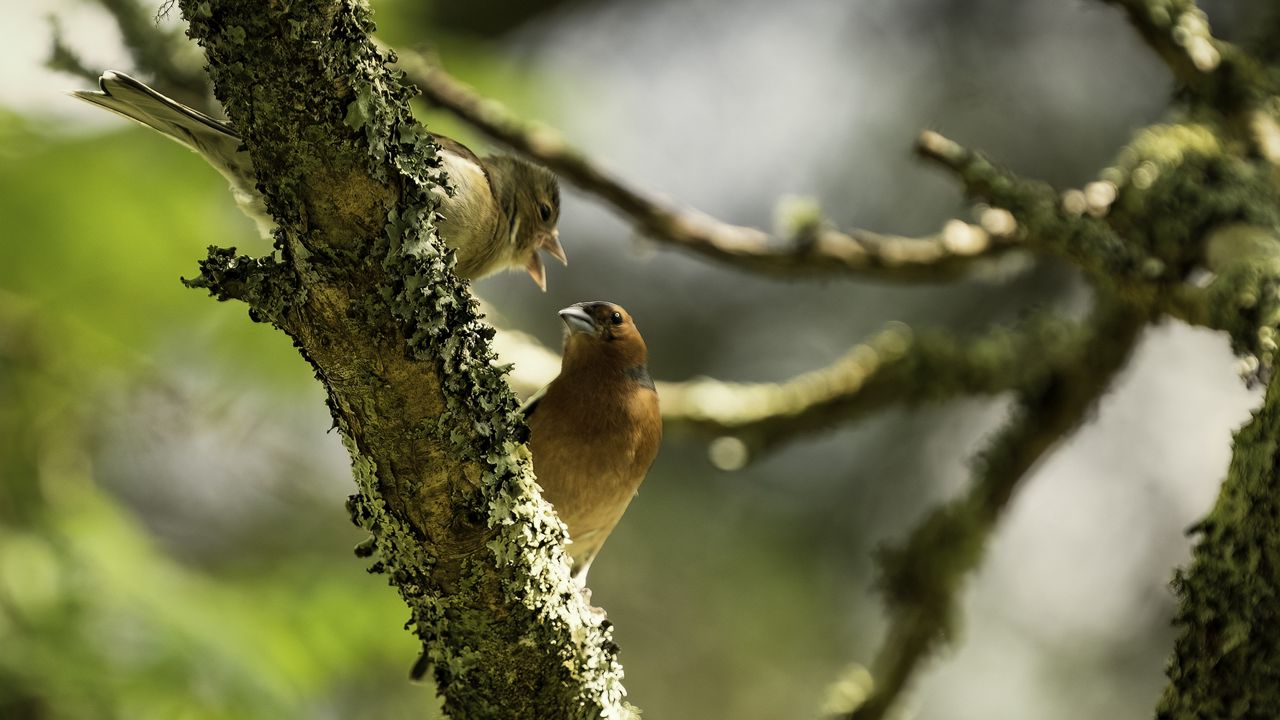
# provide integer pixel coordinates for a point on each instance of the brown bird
(596, 428)
(500, 211)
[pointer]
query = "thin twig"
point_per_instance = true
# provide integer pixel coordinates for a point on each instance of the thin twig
(809, 247)
(922, 577)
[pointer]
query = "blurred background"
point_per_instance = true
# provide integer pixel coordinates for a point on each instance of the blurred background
(173, 542)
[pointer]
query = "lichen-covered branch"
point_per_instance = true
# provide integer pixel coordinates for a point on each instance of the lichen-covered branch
(1244, 296)
(894, 367)
(1226, 662)
(808, 246)
(1083, 238)
(1217, 72)
(1179, 33)
(922, 577)
(362, 285)
(1121, 232)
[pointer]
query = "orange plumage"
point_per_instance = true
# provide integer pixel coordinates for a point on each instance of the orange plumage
(595, 429)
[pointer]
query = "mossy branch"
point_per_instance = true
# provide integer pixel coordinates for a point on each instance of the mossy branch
(1048, 223)
(892, 368)
(364, 288)
(1216, 72)
(1226, 662)
(922, 577)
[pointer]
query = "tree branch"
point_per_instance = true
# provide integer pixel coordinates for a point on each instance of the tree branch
(922, 577)
(444, 482)
(63, 57)
(1226, 662)
(1119, 230)
(895, 366)
(809, 246)
(1222, 74)
(1078, 234)
(891, 368)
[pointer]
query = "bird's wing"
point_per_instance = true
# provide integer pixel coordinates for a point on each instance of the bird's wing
(532, 403)
(448, 144)
(465, 154)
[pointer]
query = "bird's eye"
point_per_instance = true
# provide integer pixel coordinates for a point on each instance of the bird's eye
(616, 318)
(544, 211)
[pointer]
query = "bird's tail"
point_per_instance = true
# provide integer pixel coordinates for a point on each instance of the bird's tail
(132, 99)
(213, 139)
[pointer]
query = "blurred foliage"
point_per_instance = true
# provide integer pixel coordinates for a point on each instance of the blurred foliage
(98, 619)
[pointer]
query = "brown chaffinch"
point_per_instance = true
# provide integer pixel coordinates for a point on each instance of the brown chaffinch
(501, 212)
(595, 430)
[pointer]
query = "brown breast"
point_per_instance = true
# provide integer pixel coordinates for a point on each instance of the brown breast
(591, 450)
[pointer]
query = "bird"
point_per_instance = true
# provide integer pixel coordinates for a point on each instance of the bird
(500, 211)
(595, 430)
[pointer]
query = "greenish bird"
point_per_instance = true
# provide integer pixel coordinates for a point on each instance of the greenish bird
(502, 210)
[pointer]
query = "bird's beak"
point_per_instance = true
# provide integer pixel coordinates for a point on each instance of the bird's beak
(551, 243)
(577, 320)
(536, 270)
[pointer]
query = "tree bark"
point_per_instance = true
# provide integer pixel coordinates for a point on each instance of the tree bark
(364, 288)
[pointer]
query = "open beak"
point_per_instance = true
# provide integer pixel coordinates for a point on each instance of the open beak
(551, 243)
(577, 320)
(536, 270)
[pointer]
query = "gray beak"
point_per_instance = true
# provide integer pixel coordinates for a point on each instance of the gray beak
(577, 320)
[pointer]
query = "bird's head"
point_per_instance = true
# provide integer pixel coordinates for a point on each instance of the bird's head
(598, 329)
(534, 213)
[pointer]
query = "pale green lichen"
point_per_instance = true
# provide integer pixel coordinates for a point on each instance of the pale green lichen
(503, 624)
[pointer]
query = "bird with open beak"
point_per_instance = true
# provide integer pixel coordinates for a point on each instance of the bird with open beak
(498, 213)
(595, 430)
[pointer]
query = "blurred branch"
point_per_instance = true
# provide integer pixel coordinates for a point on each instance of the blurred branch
(1078, 234)
(1178, 31)
(62, 57)
(1224, 661)
(809, 245)
(921, 578)
(892, 367)
(155, 51)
